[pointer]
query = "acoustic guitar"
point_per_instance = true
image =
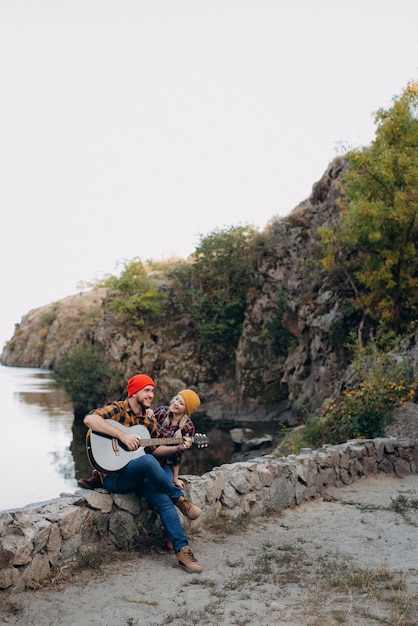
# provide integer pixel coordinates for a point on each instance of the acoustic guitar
(107, 454)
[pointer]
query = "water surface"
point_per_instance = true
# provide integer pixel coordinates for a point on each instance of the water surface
(36, 421)
(43, 449)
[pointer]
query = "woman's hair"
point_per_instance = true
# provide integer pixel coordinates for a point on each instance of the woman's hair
(183, 420)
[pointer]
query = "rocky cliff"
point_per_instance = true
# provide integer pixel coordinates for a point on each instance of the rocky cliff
(273, 378)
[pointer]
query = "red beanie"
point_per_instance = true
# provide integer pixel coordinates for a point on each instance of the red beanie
(138, 382)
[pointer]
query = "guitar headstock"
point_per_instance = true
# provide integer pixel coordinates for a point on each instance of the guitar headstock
(201, 441)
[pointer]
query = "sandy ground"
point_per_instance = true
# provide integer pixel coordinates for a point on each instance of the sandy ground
(347, 559)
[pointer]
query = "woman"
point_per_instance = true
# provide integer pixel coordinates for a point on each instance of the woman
(171, 419)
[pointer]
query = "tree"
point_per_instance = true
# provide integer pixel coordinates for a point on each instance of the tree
(213, 289)
(373, 245)
(86, 376)
(135, 294)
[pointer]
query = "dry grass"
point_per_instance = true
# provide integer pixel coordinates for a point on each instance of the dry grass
(224, 525)
(283, 582)
(330, 590)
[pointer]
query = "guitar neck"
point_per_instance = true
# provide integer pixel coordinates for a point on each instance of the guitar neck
(160, 441)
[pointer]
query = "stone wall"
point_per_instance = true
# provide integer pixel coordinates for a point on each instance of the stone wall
(40, 540)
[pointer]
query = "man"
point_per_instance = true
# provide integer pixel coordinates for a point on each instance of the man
(144, 475)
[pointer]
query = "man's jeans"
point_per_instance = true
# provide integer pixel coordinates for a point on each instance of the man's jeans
(147, 478)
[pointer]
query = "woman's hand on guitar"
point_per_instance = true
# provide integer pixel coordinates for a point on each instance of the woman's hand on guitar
(187, 442)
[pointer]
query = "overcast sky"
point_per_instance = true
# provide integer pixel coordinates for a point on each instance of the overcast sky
(128, 128)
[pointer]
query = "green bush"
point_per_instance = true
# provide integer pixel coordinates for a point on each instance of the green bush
(135, 294)
(213, 286)
(282, 341)
(306, 436)
(364, 411)
(85, 375)
(386, 382)
(49, 317)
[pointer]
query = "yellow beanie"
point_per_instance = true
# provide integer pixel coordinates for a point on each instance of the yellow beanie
(191, 399)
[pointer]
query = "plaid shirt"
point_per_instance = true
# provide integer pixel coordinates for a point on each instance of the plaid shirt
(121, 412)
(169, 431)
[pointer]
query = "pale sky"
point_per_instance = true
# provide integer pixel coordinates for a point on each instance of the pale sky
(128, 128)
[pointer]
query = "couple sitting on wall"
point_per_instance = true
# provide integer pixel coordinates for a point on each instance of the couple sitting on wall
(154, 475)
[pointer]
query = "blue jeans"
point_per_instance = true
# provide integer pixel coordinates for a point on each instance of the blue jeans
(148, 479)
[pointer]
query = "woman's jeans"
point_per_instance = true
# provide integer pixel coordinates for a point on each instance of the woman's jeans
(147, 478)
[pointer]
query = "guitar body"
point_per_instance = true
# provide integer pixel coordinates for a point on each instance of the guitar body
(107, 454)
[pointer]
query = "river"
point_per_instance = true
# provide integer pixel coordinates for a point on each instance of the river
(36, 463)
(43, 450)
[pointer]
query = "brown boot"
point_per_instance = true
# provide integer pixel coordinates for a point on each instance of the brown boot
(94, 482)
(187, 508)
(186, 560)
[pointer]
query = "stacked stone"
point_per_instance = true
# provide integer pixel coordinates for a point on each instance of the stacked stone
(39, 540)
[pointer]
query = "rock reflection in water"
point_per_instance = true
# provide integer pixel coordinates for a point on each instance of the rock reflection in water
(197, 461)
(83, 468)
(46, 395)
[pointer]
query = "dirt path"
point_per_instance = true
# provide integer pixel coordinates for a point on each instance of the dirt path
(351, 558)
